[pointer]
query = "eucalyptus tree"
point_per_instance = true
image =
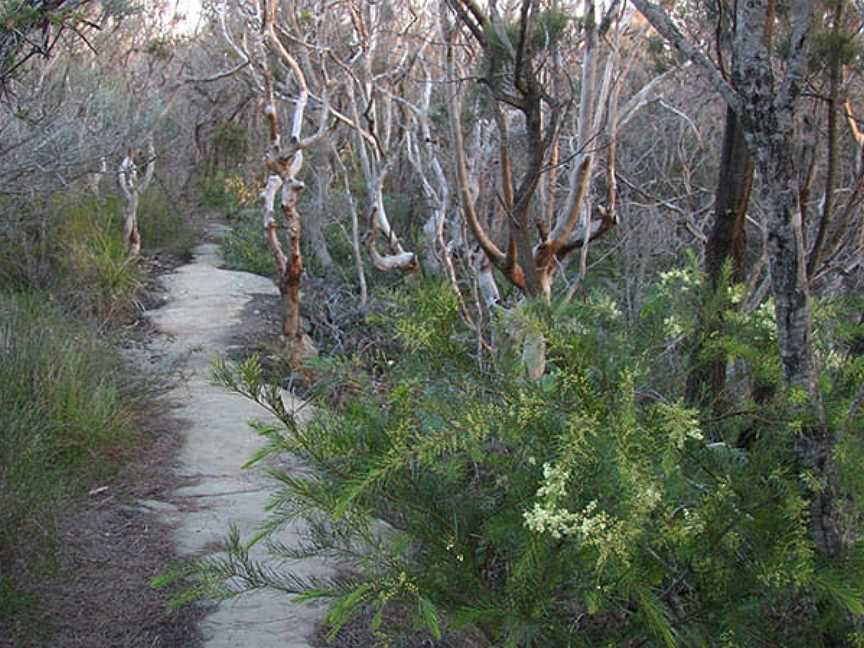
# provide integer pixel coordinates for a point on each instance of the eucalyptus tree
(371, 88)
(522, 59)
(134, 184)
(528, 98)
(274, 72)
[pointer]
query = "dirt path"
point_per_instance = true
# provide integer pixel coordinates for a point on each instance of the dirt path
(202, 313)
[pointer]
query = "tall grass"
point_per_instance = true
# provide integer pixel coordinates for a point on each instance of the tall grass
(66, 401)
(72, 245)
(89, 250)
(65, 409)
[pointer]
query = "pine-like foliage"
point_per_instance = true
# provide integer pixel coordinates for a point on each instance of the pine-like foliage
(589, 508)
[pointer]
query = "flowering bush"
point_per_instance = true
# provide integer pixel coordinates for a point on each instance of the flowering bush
(588, 508)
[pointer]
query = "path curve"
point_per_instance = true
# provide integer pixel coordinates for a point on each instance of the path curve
(203, 308)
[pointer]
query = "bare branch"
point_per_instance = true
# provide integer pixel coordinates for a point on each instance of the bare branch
(660, 20)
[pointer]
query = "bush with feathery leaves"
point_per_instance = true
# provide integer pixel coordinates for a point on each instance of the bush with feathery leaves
(588, 508)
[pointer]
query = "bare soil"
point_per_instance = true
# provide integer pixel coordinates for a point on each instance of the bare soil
(110, 548)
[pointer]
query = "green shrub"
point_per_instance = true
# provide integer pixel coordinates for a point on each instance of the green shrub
(225, 191)
(231, 142)
(341, 251)
(589, 508)
(63, 410)
(244, 248)
(162, 224)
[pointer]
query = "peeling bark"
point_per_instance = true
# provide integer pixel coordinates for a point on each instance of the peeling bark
(284, 162)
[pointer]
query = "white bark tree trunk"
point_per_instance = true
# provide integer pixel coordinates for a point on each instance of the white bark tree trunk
(133, 187)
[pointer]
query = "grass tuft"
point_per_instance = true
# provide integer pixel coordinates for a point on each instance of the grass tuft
(65, 410)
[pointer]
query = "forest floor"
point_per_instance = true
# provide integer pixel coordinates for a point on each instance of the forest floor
(210, 310)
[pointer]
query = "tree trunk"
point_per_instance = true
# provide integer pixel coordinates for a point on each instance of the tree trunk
(766, 109)
(727, 241)
(132, 188)
(831, 170)
(316, 233)
(794, 329)
(289, 282)
(131, 235)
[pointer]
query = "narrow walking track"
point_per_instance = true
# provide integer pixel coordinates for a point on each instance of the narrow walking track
(203, 308)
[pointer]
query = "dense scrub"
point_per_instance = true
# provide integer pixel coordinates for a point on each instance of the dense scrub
(73, 247)
(589, 508)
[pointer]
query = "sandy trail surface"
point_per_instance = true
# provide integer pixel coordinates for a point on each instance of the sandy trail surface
(202, 313)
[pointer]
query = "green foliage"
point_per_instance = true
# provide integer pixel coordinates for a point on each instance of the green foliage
(341, 251)
(828, 44)
(18, 16)
(20, 615)
(11, 600)
(224, 191)
(589, 508)
(161, 47)
(662, 57)
(231, 141)
(89, 250)
(64, 411)
(244, 248)
(162, 224)
(545, 30)
(73, 245)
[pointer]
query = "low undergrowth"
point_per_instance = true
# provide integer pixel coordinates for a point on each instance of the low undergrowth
(72, 245)
(65, 419)
(165, 225)
(591, 507)
(90, 258)
(244, 247)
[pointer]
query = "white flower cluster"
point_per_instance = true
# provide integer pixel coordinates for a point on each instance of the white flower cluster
(589, 524)
(606, 306)
(554, 481)
(648, 498)
(680, 424)
(688, 430)
(560, 523)
(673, 327)
(682, 277)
